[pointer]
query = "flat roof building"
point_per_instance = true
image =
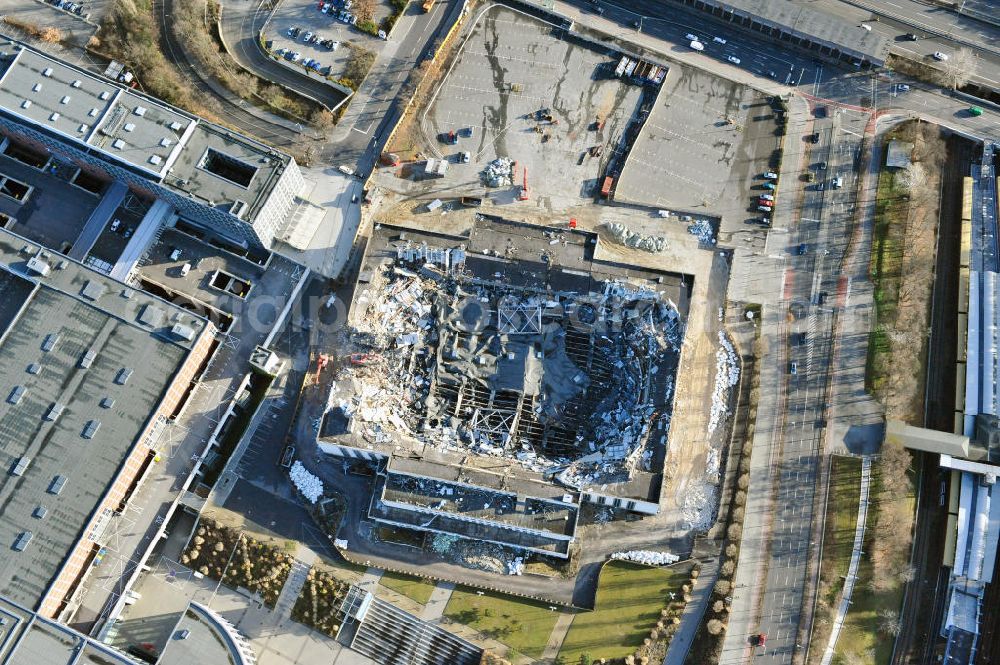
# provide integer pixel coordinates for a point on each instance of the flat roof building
(228, 184)
(90, 370)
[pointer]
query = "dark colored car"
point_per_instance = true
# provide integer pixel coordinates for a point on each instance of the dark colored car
(910, 37)
(814, 137)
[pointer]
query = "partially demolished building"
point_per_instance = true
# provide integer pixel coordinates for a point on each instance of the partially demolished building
(503, 378)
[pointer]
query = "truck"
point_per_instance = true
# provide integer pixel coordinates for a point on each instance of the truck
(621, 66)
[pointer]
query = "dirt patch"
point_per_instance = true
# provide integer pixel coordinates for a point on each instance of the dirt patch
(903, 270)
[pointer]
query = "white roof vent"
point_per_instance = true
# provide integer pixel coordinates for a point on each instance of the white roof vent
(47, 71)
(118, 144)
(83, 128)
(26, 104)
(154, 159)
(123, 376)
(90, 429)
(165, 143)
(140, 111)
(16, 394)
(183, 331)
(64, 100)
(36, 87)
(129, 127)
(76, 83)
(54, 117)
(175, 126)
(38, 266)
(93, 113)
(105, 95)
(22, 541)
(57, 484)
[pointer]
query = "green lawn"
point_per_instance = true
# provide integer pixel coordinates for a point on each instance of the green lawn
(413, 588)
(521, 624)
(841, 521)
(629, 600)
(860, 640)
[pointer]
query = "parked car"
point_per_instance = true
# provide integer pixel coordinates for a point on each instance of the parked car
(307, 62)
(315, 65)
(295, 57)
(803, 248)
(718, 40)
(691, 38)
(821, 166)
(764, 208)
(346, 170)
(838, 182)
(306, 37)
(910, 37)
(938, 55)
(767, 197)
(902, 87)
(769, 185)
(466, 157)
(771, 175)
(814, 137)
(294, 32)
(733, 59)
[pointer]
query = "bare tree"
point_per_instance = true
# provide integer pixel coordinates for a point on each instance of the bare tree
(888, 622)
(959, 68)
(365, 10)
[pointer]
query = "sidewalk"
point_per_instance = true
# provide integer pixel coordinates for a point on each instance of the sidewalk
(691, 618)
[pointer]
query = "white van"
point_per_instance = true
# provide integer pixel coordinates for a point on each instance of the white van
(838, 182)
(697, 46)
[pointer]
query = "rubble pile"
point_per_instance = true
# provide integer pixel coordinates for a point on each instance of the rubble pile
(433, 349)
(702, 229)
(478, 555)
(309, 485)
(727, 375)
(499, 172)
(647, 557)
(623, 235)
(699, 507)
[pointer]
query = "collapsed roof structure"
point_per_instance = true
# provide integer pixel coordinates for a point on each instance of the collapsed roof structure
(504, 377)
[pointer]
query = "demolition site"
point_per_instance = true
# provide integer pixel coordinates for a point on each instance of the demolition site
(507, 388)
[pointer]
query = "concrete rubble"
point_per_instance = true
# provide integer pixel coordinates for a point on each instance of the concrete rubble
(702, 229)
(625, 236)
(647, 557)
(310, 486)
(727, 375)
(427, 334)
(499, 172)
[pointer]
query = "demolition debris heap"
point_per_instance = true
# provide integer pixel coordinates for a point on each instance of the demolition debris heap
(513, 364)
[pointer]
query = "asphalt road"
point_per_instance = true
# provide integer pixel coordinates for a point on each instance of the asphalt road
(241, 23)
(231, 111)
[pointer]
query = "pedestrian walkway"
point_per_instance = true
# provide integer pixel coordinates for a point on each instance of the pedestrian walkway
(370, 579)
(437, 602)
(557, 636)
(694, 610)
(852, 570)
(293, 585)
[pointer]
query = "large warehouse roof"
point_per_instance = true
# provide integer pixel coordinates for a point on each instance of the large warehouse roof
(84, 362)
